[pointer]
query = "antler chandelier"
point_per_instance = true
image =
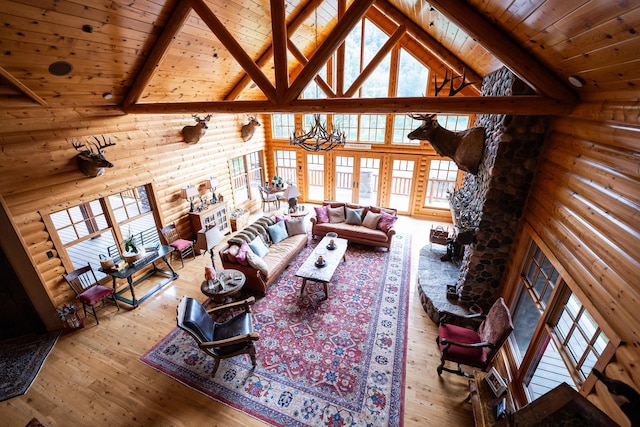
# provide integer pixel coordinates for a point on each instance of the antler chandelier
(318, 138)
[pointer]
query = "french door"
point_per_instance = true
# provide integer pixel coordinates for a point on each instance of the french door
(357, 179)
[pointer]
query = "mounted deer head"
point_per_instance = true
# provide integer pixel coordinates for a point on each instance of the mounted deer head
(465, 148)
(452, 90)
(248, 129)
(90, 162)
(192, 134)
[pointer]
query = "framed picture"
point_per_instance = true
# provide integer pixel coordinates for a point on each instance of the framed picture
(497, 384)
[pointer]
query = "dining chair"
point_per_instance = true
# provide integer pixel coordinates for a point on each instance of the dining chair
(268, 198)
(88, 290)
(182, 247)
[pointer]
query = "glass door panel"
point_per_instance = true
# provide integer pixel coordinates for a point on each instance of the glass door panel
(368, 181)
(343, 178)
(315, 177)
(401, 184)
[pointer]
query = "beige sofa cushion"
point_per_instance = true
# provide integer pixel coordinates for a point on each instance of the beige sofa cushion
(371, 220)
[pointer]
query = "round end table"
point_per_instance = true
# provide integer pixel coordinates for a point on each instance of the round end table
(226, 290)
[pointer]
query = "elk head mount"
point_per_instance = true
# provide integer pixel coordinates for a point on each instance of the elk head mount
(465, 148)
(92, 162)
(192, 134)
(248, 129)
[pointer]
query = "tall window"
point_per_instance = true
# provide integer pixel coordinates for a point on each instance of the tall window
(239, 179)
(282, 125)
(555, 338)
(86, 231)
(286, 165)
(442, 179)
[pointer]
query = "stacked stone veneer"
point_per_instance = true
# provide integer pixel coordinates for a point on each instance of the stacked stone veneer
(493, 200)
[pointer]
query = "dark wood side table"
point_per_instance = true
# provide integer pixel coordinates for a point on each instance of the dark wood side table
(233, 283)
(483, 401)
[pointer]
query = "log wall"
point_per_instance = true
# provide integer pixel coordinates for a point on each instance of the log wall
(39, 173)
(585, 207)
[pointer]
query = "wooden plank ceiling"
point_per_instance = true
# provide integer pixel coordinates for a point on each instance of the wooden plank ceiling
(204, 55)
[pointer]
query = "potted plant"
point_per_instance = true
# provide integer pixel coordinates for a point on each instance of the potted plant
(69, 315)
(131, 250)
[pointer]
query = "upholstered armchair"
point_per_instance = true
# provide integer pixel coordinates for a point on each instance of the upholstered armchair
(230, 338)
(477, 349)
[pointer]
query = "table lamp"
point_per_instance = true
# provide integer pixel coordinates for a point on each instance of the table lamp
(291, 193)
(211, 184)
(189, 193)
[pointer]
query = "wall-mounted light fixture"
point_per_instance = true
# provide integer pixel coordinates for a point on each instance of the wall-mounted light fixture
(189, 193)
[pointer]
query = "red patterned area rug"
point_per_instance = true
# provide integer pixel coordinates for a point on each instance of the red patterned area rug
(339, 362)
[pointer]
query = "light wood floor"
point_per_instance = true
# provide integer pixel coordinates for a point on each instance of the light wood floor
(93, 376)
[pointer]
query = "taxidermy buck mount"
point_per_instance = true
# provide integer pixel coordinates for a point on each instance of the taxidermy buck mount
(465, 148)
(248, 129)
(90, 162)
(192, 134)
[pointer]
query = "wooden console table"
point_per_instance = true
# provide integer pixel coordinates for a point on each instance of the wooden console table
(128, 271)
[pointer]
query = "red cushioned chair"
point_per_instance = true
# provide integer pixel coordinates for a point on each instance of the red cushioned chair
(465, 346)
(182, 246)
(84, 283)
(230, 338)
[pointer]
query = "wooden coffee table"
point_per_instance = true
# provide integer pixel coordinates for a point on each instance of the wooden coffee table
(310, 271)
(233, 283)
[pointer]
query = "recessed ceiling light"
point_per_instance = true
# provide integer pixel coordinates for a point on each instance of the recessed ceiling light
(576, 81)
(60, 68)
(107, 95)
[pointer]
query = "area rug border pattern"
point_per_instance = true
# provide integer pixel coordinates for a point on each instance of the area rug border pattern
(399, 259)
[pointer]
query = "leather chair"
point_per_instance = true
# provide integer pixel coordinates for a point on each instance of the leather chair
(465, 346)
(85, 285)
(182, 246)
(230, 338)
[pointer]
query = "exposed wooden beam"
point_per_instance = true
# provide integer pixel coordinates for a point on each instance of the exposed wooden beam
(354, 13)
(375, 61)
(279, 43)
(19, 86)
(267, 54)
(234, 48)
(506, 50)
(319, 80)
(340, 53)
(515, 105)
(174, 25)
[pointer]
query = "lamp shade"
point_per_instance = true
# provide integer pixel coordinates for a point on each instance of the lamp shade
(291, 192)
(189, 192)
(211, 183)
(213, 236)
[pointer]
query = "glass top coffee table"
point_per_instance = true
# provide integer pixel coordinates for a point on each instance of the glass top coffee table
(311, 270)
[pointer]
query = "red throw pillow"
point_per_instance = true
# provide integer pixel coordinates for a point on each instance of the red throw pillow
(241, 257)
(386, 221)
(322, 214)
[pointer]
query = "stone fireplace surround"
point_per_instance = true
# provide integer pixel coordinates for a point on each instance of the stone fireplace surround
(491, 202)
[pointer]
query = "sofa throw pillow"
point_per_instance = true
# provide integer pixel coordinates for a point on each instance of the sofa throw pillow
(258, 263)
(336, 214)
(231, 252)
(371, 220)
(386, 221)
(295, 226)
(258, 247)
(277, 231)
(241, 256)
(354, 216)
(321, 214)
